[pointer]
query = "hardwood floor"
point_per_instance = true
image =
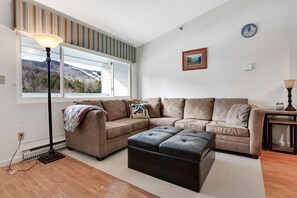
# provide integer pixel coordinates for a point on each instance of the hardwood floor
(280, 174)
(64, 178)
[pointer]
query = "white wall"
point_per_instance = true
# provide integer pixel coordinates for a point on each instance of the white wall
(293, 55)
(272, 50)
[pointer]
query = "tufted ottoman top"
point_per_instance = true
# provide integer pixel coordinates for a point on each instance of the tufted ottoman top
(168, 129)
(151, 139)
(185, 144)
(188, 144)
(200, 134)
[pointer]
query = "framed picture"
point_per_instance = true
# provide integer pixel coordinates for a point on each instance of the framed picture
(195, 59)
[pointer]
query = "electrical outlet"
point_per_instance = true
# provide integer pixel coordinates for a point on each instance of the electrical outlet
(2, 79)
(21, 135)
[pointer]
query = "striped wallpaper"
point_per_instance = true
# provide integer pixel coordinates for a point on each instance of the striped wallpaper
(31, 18)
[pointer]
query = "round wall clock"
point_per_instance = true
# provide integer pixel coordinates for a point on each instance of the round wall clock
(249, 30)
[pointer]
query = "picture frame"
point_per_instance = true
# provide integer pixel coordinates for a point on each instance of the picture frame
(195, 59)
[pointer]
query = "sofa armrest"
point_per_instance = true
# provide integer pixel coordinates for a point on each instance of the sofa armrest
(255, 126)
(90, 135)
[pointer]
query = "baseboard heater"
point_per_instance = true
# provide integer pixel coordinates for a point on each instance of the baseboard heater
(35, 152)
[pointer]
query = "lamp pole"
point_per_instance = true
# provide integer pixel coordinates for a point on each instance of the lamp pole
(49, 97)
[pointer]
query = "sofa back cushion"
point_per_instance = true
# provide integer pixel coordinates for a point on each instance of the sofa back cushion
(239, 114)
(222, 105)
(153, 106)
(173, 107)
(89, 102)
(199, 108)
(116, 109)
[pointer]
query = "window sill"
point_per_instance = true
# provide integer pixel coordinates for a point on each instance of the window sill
(37, 100)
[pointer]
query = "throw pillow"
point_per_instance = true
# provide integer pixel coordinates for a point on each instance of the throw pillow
(238, 114)
(138, 111)
(128, 103)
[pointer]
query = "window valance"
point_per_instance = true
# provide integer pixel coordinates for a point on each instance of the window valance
(31, 18)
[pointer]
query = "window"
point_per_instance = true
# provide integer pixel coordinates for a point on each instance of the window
(74, 73)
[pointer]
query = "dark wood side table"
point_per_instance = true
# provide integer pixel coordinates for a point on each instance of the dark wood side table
(280, 117)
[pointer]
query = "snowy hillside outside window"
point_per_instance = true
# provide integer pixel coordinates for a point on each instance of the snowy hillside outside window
(86, 73)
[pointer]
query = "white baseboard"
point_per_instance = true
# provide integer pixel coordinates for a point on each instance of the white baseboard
(26, 145)
(16, 159)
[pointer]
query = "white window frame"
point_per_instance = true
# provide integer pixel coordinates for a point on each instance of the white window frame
(42, 97)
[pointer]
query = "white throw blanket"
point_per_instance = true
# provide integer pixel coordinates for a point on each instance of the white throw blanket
(74, 114)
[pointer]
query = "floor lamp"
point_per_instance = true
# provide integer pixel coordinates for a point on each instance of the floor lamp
(49, 41)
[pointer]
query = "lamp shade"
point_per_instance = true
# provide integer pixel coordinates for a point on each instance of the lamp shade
(289, 84)
(47, 40)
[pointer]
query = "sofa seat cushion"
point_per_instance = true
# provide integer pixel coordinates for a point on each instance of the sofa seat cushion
(165, 121)
(136, 124)
(224, 128)
(173, 107)
(116, 109)
(148, 140)
(116, 129)
(199, 108)
(192, 124)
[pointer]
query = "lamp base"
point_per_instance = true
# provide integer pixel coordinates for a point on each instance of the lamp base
(50, 156)
(291, 108)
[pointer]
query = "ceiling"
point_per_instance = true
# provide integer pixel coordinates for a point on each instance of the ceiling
(134, 21)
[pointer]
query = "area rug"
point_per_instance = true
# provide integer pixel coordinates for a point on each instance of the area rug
(230, 176)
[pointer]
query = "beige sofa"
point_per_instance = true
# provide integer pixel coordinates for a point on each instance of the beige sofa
(99, 135)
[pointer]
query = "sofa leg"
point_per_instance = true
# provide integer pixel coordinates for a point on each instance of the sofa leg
(100, 158)
(69, 148)
(255, 156)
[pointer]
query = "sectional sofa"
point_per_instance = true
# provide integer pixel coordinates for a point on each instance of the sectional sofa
(238, 125)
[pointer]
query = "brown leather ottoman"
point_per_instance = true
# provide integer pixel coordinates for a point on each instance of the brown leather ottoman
(180, 156)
